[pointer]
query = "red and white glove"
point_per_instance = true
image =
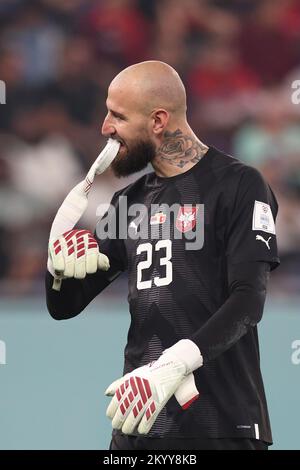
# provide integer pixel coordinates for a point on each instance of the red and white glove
(139, 396)
(75, 254)
(67, 217)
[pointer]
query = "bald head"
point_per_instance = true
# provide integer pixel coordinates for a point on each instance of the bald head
(146, 113)
(152, 85)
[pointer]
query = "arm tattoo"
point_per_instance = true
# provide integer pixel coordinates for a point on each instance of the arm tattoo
(179, 149)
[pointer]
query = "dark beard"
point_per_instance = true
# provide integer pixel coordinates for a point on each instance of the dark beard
(137, 158)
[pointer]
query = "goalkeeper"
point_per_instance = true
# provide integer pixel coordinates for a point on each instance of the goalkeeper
(191, 377)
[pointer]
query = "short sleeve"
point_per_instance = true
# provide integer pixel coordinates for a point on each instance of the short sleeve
(251, 231)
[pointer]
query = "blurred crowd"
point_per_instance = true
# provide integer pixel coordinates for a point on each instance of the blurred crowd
(237, 58)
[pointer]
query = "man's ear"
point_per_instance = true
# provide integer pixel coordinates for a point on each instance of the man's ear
(160, 119)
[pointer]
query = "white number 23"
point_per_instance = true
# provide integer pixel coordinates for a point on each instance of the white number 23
(164, 261)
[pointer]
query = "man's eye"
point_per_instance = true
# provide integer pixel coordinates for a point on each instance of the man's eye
(116, 115)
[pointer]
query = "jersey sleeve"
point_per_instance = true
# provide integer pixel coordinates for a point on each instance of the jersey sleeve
(243, 309)
(251, 233)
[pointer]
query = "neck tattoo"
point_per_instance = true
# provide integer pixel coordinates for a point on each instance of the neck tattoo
(179, 149)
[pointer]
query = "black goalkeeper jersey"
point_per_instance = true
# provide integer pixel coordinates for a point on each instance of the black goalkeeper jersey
(177, 292)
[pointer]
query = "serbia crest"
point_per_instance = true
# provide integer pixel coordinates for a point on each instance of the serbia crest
(186, 218)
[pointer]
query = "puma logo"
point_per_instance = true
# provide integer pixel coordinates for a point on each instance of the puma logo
(134, 226)
(259, 237)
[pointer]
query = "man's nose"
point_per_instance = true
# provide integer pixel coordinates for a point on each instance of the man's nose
(107, 128)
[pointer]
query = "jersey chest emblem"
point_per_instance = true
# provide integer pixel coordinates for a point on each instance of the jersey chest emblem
(158, 218)
(186, 218)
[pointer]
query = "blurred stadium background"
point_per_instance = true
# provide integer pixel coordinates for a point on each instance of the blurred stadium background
(238, 60)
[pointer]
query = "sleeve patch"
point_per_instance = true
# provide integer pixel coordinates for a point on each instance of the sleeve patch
(263, 218)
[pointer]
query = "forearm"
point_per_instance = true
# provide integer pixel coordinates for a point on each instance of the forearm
(74, 295)
(242, 310)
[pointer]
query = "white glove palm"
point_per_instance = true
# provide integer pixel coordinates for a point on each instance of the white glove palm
(140, 395)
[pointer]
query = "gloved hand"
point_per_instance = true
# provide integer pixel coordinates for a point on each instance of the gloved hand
(139, 396)
(75, 254)
(72, 209)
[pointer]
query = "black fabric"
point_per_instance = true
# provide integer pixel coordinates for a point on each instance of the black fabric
(75, 294)
(243, 309)
(122, 442)
(213, 295)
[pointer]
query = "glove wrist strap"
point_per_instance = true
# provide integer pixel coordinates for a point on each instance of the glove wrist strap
(187, 352)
